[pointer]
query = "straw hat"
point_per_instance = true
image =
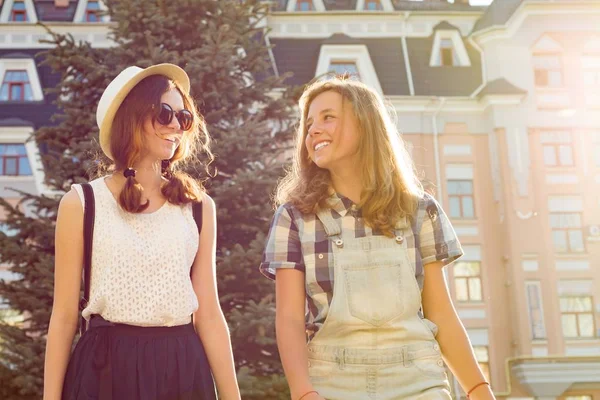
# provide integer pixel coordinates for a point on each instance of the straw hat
(120, 87)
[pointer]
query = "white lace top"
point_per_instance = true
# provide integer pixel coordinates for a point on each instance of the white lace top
(141, 262)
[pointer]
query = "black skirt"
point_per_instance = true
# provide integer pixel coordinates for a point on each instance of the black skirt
(125, 362)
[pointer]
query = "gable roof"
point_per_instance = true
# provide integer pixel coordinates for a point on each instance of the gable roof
(500, 86)
(300, 57)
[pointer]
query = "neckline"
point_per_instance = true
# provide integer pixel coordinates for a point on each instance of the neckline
(116, 202)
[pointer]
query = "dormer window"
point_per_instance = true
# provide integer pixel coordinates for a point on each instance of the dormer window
(342, 68)
(92, 10)
(446, 53)
(351, 59)
(373, 5)
(18, 13)
(19, 80)
(16, 86)
(304, 5)
(448, 48)
(13, 160)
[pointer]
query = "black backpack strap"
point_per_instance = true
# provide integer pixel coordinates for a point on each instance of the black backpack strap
(89, 214)
(197, 211)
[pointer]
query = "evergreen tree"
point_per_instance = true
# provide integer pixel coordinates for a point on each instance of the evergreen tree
(221, 46)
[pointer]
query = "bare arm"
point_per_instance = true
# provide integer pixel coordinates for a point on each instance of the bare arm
(452, 337)
(68, 262)
(208, 319)
(291, 336)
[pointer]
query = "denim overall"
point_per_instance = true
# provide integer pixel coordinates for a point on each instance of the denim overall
(373, 343)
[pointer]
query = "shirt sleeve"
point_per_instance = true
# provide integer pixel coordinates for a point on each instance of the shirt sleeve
(437, 239)
(283, 248)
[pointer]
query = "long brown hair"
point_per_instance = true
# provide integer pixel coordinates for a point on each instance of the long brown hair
(126, 144)
(391, 187)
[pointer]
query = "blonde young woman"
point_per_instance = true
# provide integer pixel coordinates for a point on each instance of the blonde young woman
(357, 244)
(152, 268)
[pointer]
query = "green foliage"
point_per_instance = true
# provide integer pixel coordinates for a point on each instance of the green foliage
(219, 44)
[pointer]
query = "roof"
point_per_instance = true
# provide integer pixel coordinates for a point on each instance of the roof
(334, 5)
(442, 81)
(497, 14)
(15, 54)
(435, 5)
(445, 26)
(47, 11)
(14, 122)
(399, 5)
(300, 57)
(500, 86)
(500, 11)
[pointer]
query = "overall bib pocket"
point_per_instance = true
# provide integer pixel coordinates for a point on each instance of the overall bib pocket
(375, 294)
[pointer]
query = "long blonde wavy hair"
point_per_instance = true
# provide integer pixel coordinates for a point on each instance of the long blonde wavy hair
(390, 186)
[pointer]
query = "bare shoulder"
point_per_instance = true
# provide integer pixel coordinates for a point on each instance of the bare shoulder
(208, 202)
(70, 204)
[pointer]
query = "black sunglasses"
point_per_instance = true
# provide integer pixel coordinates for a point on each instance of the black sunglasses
(166, 113)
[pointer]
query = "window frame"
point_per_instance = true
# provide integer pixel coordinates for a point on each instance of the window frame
(378, 5)
(6, 13)
(12, 84)
(17, 158)
(467, 279)
(345, 62)
(591, 313)
(567, 231)
(23, 64)
(299, 3)
(536, 69)
(460, 197)
(94, 11)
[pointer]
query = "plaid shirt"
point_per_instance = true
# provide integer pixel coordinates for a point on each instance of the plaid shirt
(297, 240)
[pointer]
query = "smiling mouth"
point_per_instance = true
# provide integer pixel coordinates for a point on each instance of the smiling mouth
(320, 145)
(173, 140)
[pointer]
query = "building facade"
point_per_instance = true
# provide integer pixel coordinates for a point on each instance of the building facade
(500, 109)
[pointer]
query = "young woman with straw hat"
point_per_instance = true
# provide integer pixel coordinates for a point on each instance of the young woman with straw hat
(156, 330)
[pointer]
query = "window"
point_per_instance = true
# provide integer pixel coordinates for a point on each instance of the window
(567, 233)
(577, 317)
(536, 312)
(558, 154)
(548, 70)
(460, 195)
(448, 49)
(18, 12)
(304, 5)
(591, 70)
(467, 281)
(447, 53)
(92, 11)
(13, 160)
(557, 148)
(16, 86)
(483, 359)
(344, 67)
(373, 5)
